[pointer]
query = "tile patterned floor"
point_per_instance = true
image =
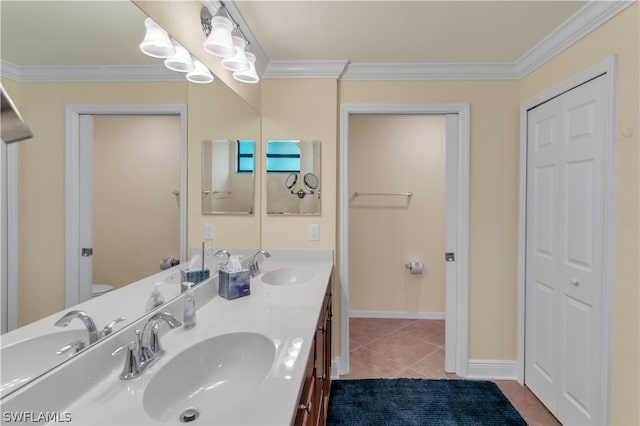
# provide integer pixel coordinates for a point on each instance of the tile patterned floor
(390, 348)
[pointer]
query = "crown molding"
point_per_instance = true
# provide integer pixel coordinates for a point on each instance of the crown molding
(88, 73)
(591, 16)
(305, 69)
(430, 71)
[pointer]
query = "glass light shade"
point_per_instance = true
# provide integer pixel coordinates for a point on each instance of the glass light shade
(199, 73)
(250, 75)
(219, 42)
(239, 61)
(181, 60)
(156, 41)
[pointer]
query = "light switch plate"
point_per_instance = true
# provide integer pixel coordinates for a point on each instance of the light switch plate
(208, 231)
(314, 232)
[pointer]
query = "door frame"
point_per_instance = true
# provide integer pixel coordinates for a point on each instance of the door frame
(607, 69)
(457, 303)
(72, 291)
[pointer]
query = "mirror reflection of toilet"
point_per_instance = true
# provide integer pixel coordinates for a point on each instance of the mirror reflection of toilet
(100, 289)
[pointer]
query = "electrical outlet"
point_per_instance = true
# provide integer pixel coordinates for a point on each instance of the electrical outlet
(208, 231)
(314, 232)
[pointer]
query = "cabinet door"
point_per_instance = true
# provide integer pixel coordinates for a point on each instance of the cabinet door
(305, 412)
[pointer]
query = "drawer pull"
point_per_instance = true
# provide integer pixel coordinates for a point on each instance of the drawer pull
(307, 407)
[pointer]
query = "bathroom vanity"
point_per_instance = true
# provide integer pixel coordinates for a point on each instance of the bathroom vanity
(262, 359)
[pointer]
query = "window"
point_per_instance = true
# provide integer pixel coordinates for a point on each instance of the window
(245, 156)
(283, 157)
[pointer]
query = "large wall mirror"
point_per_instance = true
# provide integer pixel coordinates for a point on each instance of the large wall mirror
(228, 176)
(38, 262)
(293, 177)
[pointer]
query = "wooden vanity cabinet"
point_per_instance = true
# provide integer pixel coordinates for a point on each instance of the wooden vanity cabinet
(314, 398)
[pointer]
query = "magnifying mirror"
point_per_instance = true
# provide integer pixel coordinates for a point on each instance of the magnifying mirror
(311, 181)
(291, 181)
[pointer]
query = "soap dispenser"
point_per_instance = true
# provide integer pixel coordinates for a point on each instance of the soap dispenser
(155, 299)
(189, 319)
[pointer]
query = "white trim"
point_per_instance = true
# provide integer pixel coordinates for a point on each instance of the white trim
(12, 236)
(397, 315)
(80, 73)
(607, 67)
(334, 368)
(584, 21)
(460, 317)
(72, 166)
(8, 233)
(430, 71)
(492, 369)
(305, 69)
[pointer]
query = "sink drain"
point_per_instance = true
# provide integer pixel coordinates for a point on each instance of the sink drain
(189, 415)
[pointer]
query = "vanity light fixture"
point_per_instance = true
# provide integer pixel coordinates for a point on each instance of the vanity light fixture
(250, 75)
(200, 73)
(219, 41)
(156, 41)
(158, 44)
(225, 38)
(239, 61)
(181, 60)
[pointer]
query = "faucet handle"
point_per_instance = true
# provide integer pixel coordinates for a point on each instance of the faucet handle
(76, 345)
(154, 341)
(131, 367)
(108, 329)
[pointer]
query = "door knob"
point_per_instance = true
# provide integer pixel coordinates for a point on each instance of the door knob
(575, 282)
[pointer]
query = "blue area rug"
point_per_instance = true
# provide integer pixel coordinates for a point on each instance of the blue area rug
(400, 402)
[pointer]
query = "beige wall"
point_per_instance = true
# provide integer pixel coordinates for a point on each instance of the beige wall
(390, 154)
(621, 37)
(136, 216)
(307, 110)
(216, 112)
(493, 222)
(41, 181)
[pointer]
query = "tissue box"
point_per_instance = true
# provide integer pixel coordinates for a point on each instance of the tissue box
(232, 285)
(193, 276)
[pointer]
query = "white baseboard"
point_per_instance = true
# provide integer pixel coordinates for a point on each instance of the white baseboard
(397, 315)
(492, 369)
(334, 368)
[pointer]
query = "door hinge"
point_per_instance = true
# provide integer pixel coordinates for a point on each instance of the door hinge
(86, 252)
(450, 257)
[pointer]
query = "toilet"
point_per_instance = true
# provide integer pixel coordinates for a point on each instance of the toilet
(100, 289)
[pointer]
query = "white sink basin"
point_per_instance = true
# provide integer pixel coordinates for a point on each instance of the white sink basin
(23, 361)
(287, 276)
(212, 377)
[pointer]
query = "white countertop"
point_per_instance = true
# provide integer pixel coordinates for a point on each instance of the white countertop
(281, 313)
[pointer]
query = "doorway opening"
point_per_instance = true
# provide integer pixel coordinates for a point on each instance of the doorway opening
(456, 241)
(78, 216)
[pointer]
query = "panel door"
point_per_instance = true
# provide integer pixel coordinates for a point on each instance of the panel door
(565, 253)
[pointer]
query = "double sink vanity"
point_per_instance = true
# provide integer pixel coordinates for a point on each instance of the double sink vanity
(262, 359)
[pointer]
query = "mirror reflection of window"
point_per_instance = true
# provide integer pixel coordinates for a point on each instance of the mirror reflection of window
(228, 176)
(293, 177)
(283, 156)
(245, 156)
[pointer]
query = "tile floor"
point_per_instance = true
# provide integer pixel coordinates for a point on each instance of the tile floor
(390, 348)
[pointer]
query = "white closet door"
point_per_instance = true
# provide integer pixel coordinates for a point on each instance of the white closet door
(565, 253)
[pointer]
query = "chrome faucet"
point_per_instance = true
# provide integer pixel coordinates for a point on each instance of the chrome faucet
(222, 252)
(86, 320)
(143, 352)
(254, 266)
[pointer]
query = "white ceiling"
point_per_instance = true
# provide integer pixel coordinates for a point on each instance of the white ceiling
(403, 31)
(391, 31)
